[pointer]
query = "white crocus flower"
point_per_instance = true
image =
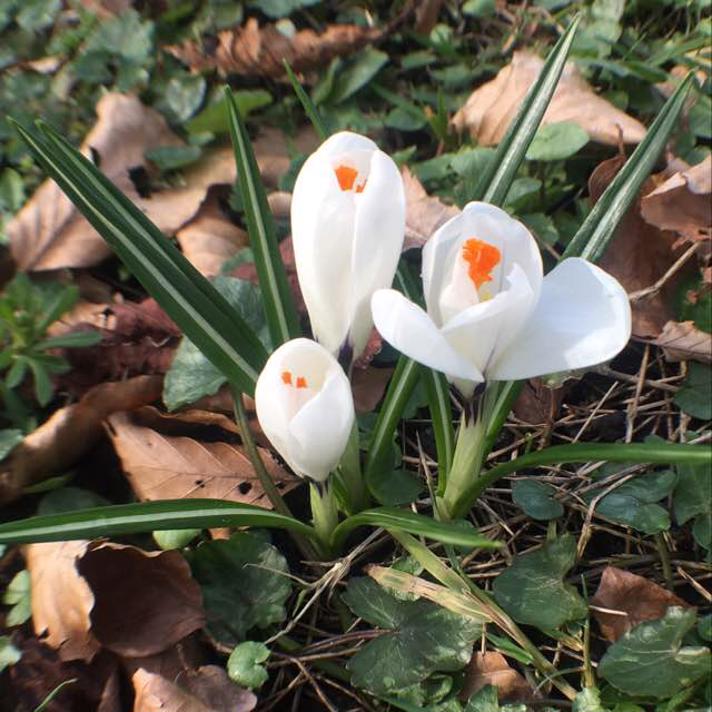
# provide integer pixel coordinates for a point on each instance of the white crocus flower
(348, 224)
(305, 407)
(492, 315)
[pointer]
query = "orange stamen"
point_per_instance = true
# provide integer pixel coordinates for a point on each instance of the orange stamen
(347, 177)
(301, 382)
(482, 258)
(287, 378)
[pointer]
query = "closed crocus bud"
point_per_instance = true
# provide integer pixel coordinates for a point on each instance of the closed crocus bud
(348, 224)
(491, 314)
(305, 407)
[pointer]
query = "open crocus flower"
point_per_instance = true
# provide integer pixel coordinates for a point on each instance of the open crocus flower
(348, 223)
(491, 314)
(305, 407)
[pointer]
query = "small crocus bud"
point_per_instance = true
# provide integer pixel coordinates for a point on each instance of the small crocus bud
(305, 407)
(492, 315)
(348, 224)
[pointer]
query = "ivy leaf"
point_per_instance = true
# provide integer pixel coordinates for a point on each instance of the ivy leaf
(694, 394)
(532, 589)
(17, 594)
(650, 660)
(244, 666)
(485, 700)
(693, 499)
(536, 499)
(419, 638)
(244, 585)
(191, 376)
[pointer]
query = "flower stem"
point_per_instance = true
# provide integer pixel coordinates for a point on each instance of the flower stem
(324, 513)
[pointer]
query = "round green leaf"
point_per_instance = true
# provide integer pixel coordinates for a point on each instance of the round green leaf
(536, 499)
(243, 665)
(557, 141)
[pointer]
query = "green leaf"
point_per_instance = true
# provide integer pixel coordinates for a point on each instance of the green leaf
(168, 158)
(214, 117)
(532, 589)
(9, 439)
(407, 521)
(183, 96)
(9, 654)
(280, 311)
(245, 585)
(536, 499)
(280, 8)
(597, 229)
(650, 660)
(244, 664)
(633, 504)
(694, 394)
(485, 700)
(421, 638)
(364, 66)
(17, 594)
(146, 517)
(191, 375)
(169, 539)
(557, 141)
(496, 179)
(588, 700)
(37, 15)
(69, 499)
(692, 498)
(187, 297)
(394, 487)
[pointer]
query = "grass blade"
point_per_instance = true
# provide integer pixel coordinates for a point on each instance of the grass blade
(407, 521)
(122, 519)
(309, 108)
(495, 181)
(597, 229)
(187, 297)
(652, 453)
(280, 311)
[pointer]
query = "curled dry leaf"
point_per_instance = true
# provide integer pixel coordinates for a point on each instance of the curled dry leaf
(537, 403)
(164, 458)
(255, 51)
(683, 203)
(91, 596)
(424, 213)
(628, 599)
(59, 442)
(207, 689)
(491, 107)
(368, 386)
(682, 340)
(492, 668)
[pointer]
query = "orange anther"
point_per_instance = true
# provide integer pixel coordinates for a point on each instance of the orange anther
(287, 378)
(301, 382)
(482, 258)
(347, 177)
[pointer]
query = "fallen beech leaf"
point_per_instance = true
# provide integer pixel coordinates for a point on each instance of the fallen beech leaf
(492, 668)
(424, 213)
(59, 442)
(638, 255)
(634, 598)
(683, 203)
(144, 602)
(161, 462)
(211, 237)
(206, 690)
(682, 340)
(368, 386)
(491, 107)
(255, 51)
(61, 599)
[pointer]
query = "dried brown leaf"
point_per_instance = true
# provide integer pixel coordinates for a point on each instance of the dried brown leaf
(492, 668)
(682, 340)
(59, 442)
(424, 213)
(683, 203)
(492, 106)
(161, 461)
(368, 386)
(631, 599)
(537, 403)
(255, 51)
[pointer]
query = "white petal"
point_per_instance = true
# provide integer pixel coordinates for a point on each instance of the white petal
(407, 327)
(484, 330)
(378, 241)
(345, 142)
(582, 318)
(321, 429)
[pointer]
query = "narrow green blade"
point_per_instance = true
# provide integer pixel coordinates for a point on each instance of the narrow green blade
(597, 229)
(407, 521)
(122, 519)
(309, 108)
(187, 297)
(280, 311)
(495, 181)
